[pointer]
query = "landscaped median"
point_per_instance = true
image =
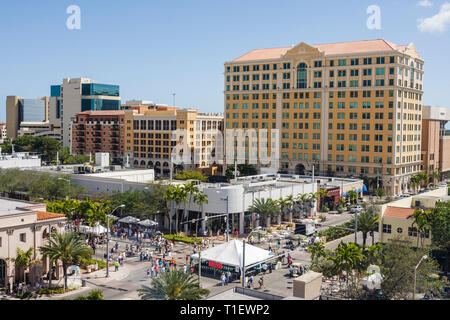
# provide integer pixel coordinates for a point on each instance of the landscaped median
(182, 238)
(331, 233)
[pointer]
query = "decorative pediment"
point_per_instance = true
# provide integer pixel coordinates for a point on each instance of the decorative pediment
(412, 51)
(303, 49)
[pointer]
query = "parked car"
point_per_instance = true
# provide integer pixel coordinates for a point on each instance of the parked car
(356, 209)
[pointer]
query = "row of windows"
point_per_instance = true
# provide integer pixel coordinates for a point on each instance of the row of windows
(318, 95)
(317, 74)
(412, 232)
(317, 64)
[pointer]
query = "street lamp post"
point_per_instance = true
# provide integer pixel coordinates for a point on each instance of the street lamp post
(227, 215)
(107, 238)
(415, 271)
(243, 257)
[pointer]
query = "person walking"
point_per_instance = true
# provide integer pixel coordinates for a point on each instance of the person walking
(261, 282)
(223, 279)
(250, 281)
(228, 276)
(148, 272)
(116, 266)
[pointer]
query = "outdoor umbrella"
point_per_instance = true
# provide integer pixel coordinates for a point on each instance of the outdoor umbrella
(113, 217)
(148, 223)
(129, 220)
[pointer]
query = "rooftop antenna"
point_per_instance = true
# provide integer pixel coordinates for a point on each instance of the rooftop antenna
(174, 94)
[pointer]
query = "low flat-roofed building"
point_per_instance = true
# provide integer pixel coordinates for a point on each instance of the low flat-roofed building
(19, 160)
(396, 218)
(26, 225)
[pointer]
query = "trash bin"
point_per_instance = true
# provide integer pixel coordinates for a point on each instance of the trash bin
(83, 283)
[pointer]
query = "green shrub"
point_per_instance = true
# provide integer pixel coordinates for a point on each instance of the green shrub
(280, 228)
(290, 224)
(184, 239)
(95, 295)
(57, 290)
(81, 298)
(341, 210)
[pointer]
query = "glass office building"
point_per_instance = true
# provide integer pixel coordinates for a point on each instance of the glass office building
(99, 104)
(32, 110)
(97, 89)
(55, 91)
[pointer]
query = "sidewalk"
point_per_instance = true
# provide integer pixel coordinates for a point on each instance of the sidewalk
(93, 280)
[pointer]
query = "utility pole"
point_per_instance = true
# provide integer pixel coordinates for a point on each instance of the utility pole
(174, 94)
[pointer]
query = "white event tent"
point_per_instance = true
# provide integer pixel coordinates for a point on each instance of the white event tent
(230, 254)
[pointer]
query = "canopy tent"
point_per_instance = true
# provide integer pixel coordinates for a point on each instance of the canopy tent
(97, 230)
(130, 220)
(148, 223)
(230, 254)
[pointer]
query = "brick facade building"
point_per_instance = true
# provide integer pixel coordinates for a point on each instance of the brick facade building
(99, 131)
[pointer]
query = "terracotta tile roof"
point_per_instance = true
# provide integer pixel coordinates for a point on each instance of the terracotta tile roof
(377, 45)
(104, 113)
(399, 213)
(261, 54)
(48, 215)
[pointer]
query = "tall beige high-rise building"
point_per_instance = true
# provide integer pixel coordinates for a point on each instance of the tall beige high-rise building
(350, 109)
(152, 134)
(25, 113)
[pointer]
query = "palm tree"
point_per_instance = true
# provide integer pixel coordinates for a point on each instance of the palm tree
(414, 182)
(190, 190)
(200, 199)
(323, 193)
(282, 204)
(169, 197)
(312, 198)
(23, 260)
(367, 222)
(66, 247)
(435, 176)
(265, 208)
(347, 257)
(302, 199)
(317, 250)
(179, 196)
(174, 285)
(422, 221)
(352, 196)
(291, 201)
(423, 178)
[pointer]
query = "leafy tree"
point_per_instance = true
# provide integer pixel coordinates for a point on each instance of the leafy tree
(66, 247)
(397, 270)
(440, 229)
(174, 285)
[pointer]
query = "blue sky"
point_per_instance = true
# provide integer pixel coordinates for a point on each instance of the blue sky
(154, 48)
